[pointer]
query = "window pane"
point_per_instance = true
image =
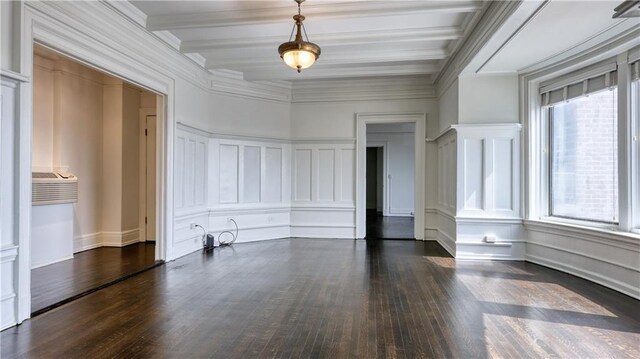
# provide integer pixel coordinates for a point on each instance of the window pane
(584, 158)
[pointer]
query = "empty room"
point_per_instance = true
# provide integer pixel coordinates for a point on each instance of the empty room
(320, 179)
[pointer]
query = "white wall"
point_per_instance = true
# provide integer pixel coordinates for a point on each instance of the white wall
(400, 161)
(488, 98)
(448, 105)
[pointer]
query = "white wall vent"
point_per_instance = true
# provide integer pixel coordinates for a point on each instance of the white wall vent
(53, 188)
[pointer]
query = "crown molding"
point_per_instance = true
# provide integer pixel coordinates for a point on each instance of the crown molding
(318, 71)
(128, 10)
(317, 11)
(68, 20)
(398, 88)
(489, 21)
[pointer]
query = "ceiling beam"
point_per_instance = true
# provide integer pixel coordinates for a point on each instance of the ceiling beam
(332, 59)
(278, 14)
(283, 72)
(343, 39)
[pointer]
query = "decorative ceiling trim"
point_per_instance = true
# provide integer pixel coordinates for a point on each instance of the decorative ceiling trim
(336, 59)
(363, 89)
(319, 71)
(343, 39)
(317, 11)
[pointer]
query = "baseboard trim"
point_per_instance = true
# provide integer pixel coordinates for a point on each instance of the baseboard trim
(87, 242)
(52, 262)
(586, 274)
(120, 239)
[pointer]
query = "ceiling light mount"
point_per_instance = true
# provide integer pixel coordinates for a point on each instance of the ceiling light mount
(299, 54)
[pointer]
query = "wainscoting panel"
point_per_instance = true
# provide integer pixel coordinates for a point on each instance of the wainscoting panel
(272, 190)
(9, 242)
(488, 171)
(191, 191)
(303, 175)
(323, 190)
(228, 167)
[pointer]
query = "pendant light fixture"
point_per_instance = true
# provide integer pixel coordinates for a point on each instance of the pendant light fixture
(299, 54)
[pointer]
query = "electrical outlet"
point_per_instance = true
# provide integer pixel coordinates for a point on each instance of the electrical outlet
(490, 239)
(192, 226)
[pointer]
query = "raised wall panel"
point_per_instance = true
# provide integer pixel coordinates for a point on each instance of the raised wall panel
(302, 175)
(229, 173)
(251, 176)
(201, 173)
(503, 174)
(348, 175)
(326, 173)
(189, 173)
(273, 175)
(473, 168)
(179, 172)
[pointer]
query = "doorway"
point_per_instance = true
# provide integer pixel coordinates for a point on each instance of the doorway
(390, 175)
(88, 180)
(416, 207)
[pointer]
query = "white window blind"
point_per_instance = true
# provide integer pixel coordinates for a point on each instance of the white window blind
(634, 63)
(635, 70)
(578, 84)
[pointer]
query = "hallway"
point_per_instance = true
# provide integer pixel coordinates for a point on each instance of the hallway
(379, 227)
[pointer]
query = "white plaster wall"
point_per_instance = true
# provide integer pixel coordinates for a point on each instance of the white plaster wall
(336, 119)
(43, 105)
(131, 158)
(77, 139)
(488, 99)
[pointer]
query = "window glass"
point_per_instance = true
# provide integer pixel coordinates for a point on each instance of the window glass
(584, 158)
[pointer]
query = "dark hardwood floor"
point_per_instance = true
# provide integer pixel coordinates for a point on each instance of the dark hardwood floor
(87, 270)
(305, 298)
(379, 227)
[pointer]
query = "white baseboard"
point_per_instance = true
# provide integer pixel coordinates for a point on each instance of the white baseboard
(87, 241)
(120, 239)
(586, 274)
(106, 239)
(52, 262)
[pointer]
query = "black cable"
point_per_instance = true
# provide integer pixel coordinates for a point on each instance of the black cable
(204, 235)
(221, 243)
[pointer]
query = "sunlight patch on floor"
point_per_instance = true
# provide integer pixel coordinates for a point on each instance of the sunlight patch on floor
(530, 293)
(552, 339)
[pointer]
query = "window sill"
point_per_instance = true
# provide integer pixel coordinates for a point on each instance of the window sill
(626, 240)
(582, 224)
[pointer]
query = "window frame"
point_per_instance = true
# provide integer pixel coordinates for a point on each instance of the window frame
(548, 205)
(538, 176)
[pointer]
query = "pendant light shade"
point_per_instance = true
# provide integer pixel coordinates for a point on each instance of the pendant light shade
(299, 54)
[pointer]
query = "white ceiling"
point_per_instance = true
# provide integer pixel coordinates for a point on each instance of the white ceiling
(542, 32)
(358, 38)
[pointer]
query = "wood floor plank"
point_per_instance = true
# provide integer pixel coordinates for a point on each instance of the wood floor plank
(304, 298)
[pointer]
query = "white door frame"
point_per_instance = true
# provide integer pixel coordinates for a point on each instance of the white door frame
(362, 119)
(38, 27)
(385, 181)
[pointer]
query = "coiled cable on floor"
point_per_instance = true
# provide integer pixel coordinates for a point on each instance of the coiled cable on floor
(204, 235)
(233, 236)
